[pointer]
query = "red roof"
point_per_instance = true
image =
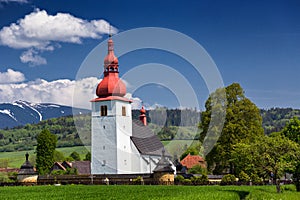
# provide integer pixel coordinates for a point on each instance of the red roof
(191, 160)
(111, 98)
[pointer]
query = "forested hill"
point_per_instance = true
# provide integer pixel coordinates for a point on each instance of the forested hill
(274, 119)
(24, 137)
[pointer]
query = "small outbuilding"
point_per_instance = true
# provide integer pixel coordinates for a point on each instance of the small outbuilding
(27, 172)
(163, 172)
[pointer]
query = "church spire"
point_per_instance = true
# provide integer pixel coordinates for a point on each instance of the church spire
(111, 62)
(111, 85)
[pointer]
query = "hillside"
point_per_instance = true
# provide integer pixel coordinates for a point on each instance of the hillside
(274, 119)
(70, 130)
(163, 122)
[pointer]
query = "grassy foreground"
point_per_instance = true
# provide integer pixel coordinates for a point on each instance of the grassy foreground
(147, 192)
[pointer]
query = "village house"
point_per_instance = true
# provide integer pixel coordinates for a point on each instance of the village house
(192, 160)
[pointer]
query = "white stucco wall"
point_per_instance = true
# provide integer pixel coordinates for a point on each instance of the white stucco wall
(111, 152)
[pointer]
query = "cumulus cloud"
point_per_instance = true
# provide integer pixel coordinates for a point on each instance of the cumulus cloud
(136, 101)
(42, 32)
(11, 76)
(31, 56)
(61, 91)
(77, 93)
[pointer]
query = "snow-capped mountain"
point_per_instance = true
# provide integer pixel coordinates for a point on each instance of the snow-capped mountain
(23, 112)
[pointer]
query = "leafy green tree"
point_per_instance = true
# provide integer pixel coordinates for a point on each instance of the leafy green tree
(292, 130)
(58, 156)
(266, 157)
(190, 150)
(88, 156)
(75, 156)
(242, 124)
(46, 144)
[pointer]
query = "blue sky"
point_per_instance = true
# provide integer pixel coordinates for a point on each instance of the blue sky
(254, 43)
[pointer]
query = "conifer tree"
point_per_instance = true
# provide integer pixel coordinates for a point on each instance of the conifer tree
(46, 144)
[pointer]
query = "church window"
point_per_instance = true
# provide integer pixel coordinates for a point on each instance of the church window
(125, 162)
(103, 147)
(123, 111)
(104, 163)
(103, 111)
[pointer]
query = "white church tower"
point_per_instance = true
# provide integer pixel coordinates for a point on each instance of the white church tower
(111, 122)
(120, 145)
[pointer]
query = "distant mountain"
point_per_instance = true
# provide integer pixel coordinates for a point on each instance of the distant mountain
(23, 112)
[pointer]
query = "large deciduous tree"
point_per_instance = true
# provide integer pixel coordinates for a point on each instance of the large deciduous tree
(267, 157)
(242, 123)
(46, 144)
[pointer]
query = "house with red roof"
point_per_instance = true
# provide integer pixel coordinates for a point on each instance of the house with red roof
(191, 160)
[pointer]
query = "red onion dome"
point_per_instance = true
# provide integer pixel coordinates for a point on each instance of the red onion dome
(111, 85)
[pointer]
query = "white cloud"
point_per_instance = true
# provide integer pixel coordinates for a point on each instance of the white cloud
(31, 56)
(11, 76)
(77, 93)
(57, 91)
(136, 102)
(41, 31)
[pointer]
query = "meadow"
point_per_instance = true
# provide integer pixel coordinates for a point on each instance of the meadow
(147, 192)
(17, 158)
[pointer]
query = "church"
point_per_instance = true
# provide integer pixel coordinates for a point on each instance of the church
(119, 144)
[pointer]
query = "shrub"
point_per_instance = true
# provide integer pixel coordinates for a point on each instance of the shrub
(203, 180)
(256, 180)
(4, 178)
(75, 155)
(179, 179)
(186, 182)
(243, 177)
(138, 180)
(228, 179)
(58, 172)
(197, 169)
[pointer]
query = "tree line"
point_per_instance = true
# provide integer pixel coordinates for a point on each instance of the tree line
(240, 147)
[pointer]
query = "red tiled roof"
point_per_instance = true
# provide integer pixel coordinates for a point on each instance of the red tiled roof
(191, 160)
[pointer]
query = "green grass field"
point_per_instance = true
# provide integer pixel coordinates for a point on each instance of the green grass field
(17, 158)
(147, 192)
(177, 146)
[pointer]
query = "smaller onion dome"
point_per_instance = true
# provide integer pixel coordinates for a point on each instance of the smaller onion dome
(143, 111)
